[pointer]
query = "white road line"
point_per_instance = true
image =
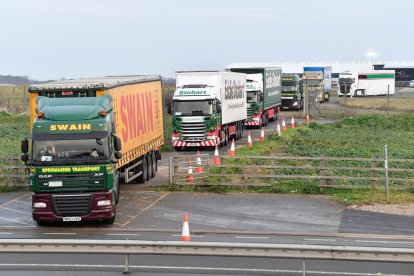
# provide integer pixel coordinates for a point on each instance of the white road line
(331, 240)
(6, 233)
(385, 242)
(122, 234)
(246, 237)
(195, 236)
(24, 202)
(15, 221)
(10, 209)
(61, 233)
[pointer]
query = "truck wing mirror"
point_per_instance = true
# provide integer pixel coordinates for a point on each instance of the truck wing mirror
(118, 155)
(118, 145)
(24, 146)
(25, 157)
(169, 110)
(218, 108)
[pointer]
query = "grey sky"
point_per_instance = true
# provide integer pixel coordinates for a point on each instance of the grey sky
(51, 39)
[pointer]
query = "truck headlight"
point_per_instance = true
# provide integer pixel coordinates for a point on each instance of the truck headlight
(39, 205)
(105, 202)
(175, 138)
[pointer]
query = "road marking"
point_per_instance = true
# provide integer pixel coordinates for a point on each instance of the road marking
(16, 199)
(123, 234)
(6, 233)
(24, 202)
(145, 209)
(331, 240)
(246, 237)
(10, 209)
(385, 242)
(194, 236)
(16, 221)
(60, 233)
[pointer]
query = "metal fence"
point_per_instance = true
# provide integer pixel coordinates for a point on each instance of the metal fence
(128, 247)
(338, 172)
(13, 172)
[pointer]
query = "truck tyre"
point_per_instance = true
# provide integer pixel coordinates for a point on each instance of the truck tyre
(154, 164)
(177, 148)
(226, 137)
(109, 221)
(116, 187)
(150, 166)
(144, 169)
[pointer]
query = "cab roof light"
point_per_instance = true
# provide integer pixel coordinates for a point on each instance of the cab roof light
(40, 114)
(102, 113)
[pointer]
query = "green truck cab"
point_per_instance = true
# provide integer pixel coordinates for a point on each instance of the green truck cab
(73, 156)
(292, 94)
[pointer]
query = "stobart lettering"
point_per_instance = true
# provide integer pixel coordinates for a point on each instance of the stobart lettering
(233, 90)
(70, 127)
(137, 115)
(192, 93)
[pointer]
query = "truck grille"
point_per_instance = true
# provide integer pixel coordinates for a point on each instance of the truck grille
(92, 181)
(193, 131)
(72, 205)
(249, 112)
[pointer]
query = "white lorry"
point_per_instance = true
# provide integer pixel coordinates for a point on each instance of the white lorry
(208, 109)
(368, 83)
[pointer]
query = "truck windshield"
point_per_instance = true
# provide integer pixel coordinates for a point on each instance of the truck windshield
(289, 88)
(346, 80)
(193, 107)
(66, 151)
(252, 96)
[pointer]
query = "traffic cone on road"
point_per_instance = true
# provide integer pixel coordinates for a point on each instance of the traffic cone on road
(185, 234)
(292, 122)
(307, 120)
(216, 160)
(232, 151)
(199, 168)
(262, 137)
(279, 133)
(283, 124)
(190, 177)
(249, 140)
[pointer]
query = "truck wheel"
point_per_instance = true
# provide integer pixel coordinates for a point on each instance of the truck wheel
(177, 148)
(109, 221)
(226, 137)
(150, 166)
(266, 120)
(154, 164)
(144, 169)
(116, 187)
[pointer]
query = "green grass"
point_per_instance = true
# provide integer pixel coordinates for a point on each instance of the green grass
(13, 129)
(14, 99)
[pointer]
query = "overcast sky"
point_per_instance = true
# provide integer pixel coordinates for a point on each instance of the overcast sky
(51, 39)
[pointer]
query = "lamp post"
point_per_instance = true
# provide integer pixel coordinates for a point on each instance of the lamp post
(372, 55)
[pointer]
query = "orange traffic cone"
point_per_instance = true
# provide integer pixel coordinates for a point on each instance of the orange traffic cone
(198, 169)
(190, 177)
(216, 160)
(307, 120)
(185, 234)
(283, 124)
(232, 151)
(249, 140)
(292, 122)
(262, 137)
(278, 129)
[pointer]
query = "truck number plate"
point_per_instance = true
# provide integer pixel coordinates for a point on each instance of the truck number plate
(71, 218)
(55, 184)
(192, 144)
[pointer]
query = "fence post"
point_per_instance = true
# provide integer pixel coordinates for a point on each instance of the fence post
(171, 169)
(222, 169)
(15, 171)
(373, 172)
(322, 179)
(386, 170)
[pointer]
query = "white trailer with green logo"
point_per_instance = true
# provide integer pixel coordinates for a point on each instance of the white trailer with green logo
(373, 83)
(209, 108)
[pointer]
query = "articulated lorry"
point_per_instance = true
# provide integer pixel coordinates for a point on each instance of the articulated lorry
(317, 82)
(208, 109)
(368, 83)
(292, 96)
(264, 84)
(85, 133)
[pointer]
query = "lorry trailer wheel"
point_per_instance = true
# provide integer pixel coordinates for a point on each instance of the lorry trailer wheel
(154, 164)
(144, 170)
(150, 166)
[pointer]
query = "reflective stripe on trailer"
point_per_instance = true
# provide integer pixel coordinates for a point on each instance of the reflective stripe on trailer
(253, 123)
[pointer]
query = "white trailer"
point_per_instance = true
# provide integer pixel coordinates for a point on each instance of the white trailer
(209, 107)
(367, 83)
